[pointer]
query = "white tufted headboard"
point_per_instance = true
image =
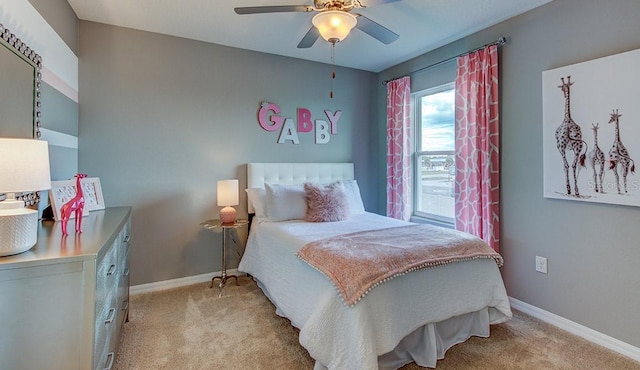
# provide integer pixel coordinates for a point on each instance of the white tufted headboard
(296, 173)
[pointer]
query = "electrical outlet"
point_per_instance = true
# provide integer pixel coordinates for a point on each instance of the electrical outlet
(541, 264)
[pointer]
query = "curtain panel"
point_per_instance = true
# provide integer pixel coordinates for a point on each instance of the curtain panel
(477, 158)
(399, 148)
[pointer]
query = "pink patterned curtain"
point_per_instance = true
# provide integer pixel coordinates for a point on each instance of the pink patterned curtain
(399, 148)
(477, 146)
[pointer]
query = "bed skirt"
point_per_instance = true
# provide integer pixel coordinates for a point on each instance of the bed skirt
(427, 344)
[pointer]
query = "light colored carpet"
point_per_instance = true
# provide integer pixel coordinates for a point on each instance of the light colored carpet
(191, 328)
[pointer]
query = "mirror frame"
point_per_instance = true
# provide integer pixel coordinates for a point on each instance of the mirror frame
(15, 45)
(28, 55)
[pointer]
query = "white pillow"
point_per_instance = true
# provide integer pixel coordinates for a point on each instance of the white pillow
(354, 199)
(285, 202)
(257, 198)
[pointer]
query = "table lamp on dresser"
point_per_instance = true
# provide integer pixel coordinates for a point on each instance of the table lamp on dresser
(24, 167)
(227, 197)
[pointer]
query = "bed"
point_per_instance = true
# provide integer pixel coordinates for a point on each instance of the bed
(411, 317)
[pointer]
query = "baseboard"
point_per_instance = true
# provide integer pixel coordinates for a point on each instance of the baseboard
(577, 329)
(177, 283)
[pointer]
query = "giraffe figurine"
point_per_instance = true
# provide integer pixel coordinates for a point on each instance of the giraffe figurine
(75, 204)
(569, 137)
(619, 155)
(596, 158)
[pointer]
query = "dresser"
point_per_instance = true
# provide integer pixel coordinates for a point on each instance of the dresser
(63, 303)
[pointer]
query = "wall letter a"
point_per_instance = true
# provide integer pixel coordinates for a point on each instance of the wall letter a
(288, 132)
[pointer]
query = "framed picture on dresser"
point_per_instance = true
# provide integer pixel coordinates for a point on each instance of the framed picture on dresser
(92, 191)
(63, 191)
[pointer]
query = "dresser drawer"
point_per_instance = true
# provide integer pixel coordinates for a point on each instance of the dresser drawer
(106, 277)
(107, 307)
(105, 331)
(106, 361)
(123, 291)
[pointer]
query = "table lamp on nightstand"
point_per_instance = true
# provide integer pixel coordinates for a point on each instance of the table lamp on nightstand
(227, 197)
(24, 166)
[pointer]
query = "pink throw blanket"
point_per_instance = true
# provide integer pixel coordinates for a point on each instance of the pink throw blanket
(357, 262)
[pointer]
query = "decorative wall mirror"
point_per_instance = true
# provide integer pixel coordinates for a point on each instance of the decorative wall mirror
(19, 93)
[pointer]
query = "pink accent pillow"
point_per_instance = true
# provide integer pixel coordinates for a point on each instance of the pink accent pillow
(326, 203)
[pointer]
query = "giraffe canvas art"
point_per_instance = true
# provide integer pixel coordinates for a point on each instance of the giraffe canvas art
(575, 165)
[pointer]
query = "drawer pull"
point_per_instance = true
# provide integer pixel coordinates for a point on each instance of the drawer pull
(110, 316)
(109, 362)
(126, 272)
(112, 268)
(127, 238)
(125, 305)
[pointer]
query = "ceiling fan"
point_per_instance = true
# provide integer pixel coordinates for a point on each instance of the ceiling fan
(334, 20)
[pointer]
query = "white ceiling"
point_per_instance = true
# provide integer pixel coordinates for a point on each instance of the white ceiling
(423, 25)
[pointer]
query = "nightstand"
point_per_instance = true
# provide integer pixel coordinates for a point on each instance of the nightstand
(226, 228)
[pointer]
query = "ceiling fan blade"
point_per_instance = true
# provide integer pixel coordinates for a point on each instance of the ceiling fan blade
(378, 2)
(273, 9)
(375, 30)
(309, 38)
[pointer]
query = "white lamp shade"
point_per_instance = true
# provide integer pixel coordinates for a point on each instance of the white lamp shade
(24, 165)
(228, 193)
(334, 25)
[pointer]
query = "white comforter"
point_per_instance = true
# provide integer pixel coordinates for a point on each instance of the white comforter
(340, 337)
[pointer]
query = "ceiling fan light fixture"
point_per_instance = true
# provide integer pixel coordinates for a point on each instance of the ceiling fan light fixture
(334, 25)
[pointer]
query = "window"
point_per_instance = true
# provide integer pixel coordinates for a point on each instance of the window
(434, 164)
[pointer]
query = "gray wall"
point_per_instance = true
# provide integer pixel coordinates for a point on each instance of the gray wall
(59, 112)
(593, 249)
(163, 118)
(61, 18)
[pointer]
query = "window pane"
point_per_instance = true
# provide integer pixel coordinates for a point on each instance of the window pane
(435, 167)
(436, 187)
(437, 111)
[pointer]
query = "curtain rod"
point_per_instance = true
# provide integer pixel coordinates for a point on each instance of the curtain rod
(500, 41)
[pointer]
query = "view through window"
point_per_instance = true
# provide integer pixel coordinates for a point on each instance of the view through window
(434, 155)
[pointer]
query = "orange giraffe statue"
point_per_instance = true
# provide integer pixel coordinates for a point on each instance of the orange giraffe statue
(75, 204)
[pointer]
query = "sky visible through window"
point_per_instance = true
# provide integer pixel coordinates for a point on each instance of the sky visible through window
(437, 121)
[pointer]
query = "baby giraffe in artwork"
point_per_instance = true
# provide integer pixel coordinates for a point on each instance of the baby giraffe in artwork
(619, 155)
(75, 204)
(596, 158)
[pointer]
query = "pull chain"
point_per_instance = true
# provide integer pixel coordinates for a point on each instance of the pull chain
(333, 66)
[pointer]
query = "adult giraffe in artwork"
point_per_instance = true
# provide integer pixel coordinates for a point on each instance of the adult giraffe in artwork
(569, 138)
(619, 155)
(597, 159)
